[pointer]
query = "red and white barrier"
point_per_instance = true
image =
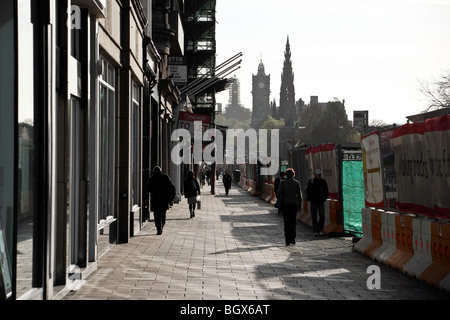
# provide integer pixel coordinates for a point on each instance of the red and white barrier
(388, 246)
(403, 242)
(438, 273)
(331, 224)
(416, 246)
(304, 215)
(366, 224)
(421, 238)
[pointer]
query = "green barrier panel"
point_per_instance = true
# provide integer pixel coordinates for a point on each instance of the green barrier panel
(353, 195)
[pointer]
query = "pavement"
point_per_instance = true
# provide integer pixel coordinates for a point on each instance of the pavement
(234, 249)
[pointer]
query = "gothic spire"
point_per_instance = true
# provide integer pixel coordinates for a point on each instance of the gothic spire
(287, 109)
(287, 68)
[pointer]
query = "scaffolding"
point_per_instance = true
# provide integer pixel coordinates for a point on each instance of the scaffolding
(200, 51)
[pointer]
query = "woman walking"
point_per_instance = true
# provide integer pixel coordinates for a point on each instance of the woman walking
(191, 190)
(289, 193)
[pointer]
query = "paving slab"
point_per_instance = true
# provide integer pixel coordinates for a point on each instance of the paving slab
(234, 249)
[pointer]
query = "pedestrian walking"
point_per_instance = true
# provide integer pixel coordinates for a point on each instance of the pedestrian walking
(276, 184)
(217, 174)
(289, 193)
(191, 191)
(317, 193)
(159, 186)
(202, 177)
(208, 176)
(226, 179)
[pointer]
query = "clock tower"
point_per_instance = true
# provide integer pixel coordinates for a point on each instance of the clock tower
(261, 95)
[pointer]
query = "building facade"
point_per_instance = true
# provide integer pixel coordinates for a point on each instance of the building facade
(86, 110)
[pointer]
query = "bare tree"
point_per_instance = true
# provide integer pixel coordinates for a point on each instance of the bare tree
(377, 123)
(438, 92)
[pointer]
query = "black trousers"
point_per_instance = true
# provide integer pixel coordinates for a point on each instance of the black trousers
(290, 222)
(160, 219)
(318, 208)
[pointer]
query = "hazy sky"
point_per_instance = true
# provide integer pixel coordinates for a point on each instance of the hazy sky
(370, 53)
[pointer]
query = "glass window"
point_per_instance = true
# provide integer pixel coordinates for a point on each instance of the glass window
(107, 142)
(7, 142)
(135, 144)
(26, 153)
(107, 162)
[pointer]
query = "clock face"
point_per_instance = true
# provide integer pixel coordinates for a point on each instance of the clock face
(261, 85)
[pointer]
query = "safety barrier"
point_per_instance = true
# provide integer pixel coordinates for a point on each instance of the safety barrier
(438, 273)
(415, 245)
(242, 182)
(304, 215)
(253, 188)
(273, 198)
(421, 237)
(403, 241)
(332, 224)
(375, 233)
(366, 225)
(388, 246)
(264, 193)
(268, 194)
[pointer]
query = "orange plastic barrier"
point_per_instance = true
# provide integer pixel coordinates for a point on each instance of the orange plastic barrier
(305, 215)
(273, 198)
(366, 224)
(264, 193)
(376, 234)
(242, 182)
(416, 246)
(403, 241)
(421, 237)
(254, 188)
(268, 195)
(439, 270)
(333, 212)
(388, 232)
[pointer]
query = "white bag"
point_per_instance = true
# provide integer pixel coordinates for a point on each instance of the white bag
(199, 203)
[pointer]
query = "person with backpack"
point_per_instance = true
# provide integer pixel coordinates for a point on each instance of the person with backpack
(191, 191)
(161, 190)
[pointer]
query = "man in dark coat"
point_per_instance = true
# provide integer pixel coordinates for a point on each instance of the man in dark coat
(226, 179)
(317, 193)
(158, 186)
(290, 193)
